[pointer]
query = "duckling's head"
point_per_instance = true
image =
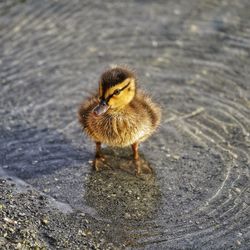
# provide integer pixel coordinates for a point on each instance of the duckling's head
(117, 87)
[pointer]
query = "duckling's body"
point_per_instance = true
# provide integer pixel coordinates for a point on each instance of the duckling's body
(121, 128)
(122, 115)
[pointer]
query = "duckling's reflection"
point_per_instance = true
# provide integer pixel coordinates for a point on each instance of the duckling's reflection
(117, 194)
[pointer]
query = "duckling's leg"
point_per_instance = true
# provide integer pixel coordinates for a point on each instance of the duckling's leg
(135, 147)
(142, 167)
(98, 156)
(98, 150)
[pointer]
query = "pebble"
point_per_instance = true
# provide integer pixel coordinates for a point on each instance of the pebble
(8, 220)
(194, 28)
(154, 43)
(176, 157)
(127, 216)
(44, 221)
(19, 246)
(238, 242)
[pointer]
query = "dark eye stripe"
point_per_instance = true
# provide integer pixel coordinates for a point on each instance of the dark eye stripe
(124, 87)
(110, 96)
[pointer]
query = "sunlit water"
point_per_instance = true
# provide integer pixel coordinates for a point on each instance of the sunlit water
(193, 58)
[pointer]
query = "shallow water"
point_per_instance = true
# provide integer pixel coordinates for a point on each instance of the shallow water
(192, 56)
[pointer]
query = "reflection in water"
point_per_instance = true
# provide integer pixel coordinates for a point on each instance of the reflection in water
(122, 198)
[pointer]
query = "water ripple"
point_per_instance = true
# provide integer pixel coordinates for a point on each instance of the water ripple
(193, 57)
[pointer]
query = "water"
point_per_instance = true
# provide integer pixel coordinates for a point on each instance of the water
(192, 56)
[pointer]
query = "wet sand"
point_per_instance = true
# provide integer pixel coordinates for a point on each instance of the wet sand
(193, 59)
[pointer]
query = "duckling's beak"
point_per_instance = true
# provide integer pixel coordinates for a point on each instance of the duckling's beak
(101, 108)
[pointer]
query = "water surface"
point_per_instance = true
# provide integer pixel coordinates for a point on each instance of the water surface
(193, 58)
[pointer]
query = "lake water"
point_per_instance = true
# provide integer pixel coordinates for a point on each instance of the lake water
(193, 59)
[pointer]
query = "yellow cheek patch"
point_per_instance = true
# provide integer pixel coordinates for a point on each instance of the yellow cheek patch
(125, 96)
(121, 85)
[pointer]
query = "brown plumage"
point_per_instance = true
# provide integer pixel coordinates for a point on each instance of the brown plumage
(120, 115)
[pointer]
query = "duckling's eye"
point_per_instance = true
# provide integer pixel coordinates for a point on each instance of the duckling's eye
(117, 92)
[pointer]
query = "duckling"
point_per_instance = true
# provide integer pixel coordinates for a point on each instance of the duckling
(120, 115)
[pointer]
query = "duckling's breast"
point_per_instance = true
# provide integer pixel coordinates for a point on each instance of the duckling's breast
(116, 130)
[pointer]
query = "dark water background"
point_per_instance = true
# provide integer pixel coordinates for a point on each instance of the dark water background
(191, 56)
